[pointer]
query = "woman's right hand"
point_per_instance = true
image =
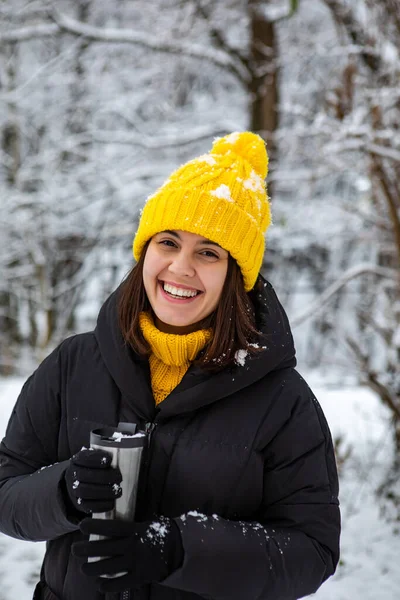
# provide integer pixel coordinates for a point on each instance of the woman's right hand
(92, 484)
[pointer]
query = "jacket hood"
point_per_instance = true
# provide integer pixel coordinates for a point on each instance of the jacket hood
(131, 372)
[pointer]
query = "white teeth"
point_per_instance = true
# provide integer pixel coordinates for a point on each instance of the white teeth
(171, 289)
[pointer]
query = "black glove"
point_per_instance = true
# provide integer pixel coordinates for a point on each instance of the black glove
(92, 485)
(147, 552)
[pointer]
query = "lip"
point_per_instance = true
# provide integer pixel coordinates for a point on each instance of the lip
(182, 300)
(180, 285)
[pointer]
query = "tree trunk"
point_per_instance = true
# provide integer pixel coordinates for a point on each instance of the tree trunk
(11, 142)
(11, 147)
(263, 87)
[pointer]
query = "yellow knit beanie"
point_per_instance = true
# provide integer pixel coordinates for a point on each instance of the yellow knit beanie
(220, 196)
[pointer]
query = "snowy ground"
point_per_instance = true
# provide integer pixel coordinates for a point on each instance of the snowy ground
(370, 546)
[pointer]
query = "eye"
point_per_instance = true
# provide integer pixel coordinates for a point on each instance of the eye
(168, 243)
(210, 254)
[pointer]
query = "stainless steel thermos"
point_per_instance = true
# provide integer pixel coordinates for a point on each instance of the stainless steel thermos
(125, 445)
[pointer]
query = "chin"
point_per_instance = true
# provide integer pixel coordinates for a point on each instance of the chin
(177, 322)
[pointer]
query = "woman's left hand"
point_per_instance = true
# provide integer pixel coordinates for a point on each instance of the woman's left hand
(145, 552)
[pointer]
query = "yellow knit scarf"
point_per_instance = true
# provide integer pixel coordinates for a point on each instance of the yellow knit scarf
(171, 355)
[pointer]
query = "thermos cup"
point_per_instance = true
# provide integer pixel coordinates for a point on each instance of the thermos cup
(125, 445)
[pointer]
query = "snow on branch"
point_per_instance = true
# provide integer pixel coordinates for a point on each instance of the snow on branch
(216, 34)
(301, 174)
(196, 134)
(277, 13)
(214, 55)
(384, 151)
(27, 33)
(352, 144)
(128, 36)
(344, 14)
(361, 269)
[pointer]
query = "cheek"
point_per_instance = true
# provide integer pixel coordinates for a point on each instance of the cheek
(151, 266)
(216, 283)
(149, 275)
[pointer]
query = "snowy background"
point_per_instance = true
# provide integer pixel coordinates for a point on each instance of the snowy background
(100, 101)
(370, 547)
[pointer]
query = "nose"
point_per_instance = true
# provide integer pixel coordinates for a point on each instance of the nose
(182, 265)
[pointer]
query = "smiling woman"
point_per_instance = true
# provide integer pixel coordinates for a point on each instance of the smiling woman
(238, 494)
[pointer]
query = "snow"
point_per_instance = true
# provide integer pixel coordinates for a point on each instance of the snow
(254, 183)
(197, 515)
(223, 191)
(117, 436)
(155, 533)
(240, 357)
(233, 137)
(207, 158)
(160, 529)
(370, 547)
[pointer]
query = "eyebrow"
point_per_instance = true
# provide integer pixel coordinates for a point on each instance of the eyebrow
(204, 242)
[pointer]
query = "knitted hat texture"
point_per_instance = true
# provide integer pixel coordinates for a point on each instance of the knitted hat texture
(221, 196)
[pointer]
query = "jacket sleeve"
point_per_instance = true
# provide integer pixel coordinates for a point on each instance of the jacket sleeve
(293, 546)
(31, 479)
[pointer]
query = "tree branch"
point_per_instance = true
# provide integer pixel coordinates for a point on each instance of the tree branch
(361, 269)
(391, 203)
(217, 36)
(372, 381)
(154, 142)
(30, 32)
(64, 23)
(384, 152)
(97, 34)
(344, 16)
(372, 219)
(385, 333)
(356, 143)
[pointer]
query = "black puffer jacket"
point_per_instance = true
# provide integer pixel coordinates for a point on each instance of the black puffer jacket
(245, 446)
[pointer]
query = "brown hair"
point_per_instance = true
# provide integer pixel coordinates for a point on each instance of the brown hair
(233, 321)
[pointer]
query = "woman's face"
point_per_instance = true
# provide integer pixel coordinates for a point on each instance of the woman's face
(183, 275)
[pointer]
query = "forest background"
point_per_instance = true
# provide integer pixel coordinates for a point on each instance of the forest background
(100, 101)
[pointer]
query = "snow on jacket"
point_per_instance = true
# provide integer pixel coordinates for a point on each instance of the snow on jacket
(236, 449)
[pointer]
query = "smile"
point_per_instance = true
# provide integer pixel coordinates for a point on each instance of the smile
(178, 293)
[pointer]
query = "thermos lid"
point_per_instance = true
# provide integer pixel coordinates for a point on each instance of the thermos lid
(115, 437)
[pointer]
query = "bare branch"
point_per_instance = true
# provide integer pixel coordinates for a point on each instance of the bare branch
(361, 269)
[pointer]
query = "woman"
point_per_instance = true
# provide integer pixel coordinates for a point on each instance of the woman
(238, 498)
